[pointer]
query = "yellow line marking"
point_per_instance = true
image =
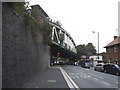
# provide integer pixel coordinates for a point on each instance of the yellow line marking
(76, 87)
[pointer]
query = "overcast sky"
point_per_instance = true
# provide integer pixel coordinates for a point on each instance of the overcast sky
(80, 17)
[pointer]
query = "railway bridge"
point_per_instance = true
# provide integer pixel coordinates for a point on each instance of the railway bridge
(62, 44)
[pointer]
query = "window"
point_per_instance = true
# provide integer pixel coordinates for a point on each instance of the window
(109, 50)
(115, 48)
(99, 65)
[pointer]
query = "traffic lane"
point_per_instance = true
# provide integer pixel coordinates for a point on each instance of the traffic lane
(86, 78)
(77, 71)
(112, 79)
(87, 81)
(107, 77)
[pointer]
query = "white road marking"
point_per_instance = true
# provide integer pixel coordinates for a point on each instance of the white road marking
(72, 76)
(71, 73)
(77, 76)
(95, 78)
(51, 81)
(85, 77)
(80, 76)
(99, 77)
(117, 82)
(106, 83)
(89, 76)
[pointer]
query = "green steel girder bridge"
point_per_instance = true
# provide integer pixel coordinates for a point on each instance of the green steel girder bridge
(62, 44)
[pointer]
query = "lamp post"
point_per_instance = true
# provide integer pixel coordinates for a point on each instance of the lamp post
(98, 42)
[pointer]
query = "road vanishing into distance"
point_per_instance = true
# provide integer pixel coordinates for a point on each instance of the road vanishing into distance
(88, 78)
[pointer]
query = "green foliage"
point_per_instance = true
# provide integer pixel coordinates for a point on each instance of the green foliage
(90, 49)
(58, 23)
(31, 21)
(45, 28)
(18, 7)
(81, 50)
(47, 32)
(87, 50)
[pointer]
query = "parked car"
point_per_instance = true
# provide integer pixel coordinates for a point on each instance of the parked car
(112, 69)
(86, 65)
(99, 67)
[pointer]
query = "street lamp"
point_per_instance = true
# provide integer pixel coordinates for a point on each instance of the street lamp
(98, 42)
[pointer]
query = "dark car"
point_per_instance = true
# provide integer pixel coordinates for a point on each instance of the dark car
(112, 69)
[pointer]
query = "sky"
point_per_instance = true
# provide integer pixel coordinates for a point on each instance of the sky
(80, 17)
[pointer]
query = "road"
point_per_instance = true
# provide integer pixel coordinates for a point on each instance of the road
(88, 78)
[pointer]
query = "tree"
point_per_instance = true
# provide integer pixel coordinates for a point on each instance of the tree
(87, 50)
(90, 49)
(81, 50)
(58, 23)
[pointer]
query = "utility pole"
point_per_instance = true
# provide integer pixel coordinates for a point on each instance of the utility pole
(98, 42)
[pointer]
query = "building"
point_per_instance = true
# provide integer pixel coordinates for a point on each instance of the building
(39, 14)
(113, 51)
(94, 60)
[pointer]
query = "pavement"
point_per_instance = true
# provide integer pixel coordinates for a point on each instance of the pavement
(53, 77)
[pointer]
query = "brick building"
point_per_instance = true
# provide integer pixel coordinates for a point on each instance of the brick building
(113, 51)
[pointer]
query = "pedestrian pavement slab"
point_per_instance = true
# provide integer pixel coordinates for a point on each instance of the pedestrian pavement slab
(50, 78)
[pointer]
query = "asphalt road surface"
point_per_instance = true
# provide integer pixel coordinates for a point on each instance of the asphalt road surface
(88, 78)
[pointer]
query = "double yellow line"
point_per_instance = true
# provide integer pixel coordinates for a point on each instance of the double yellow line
(73, 83)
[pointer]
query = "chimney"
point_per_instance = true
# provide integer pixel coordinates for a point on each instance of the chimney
(115, 37)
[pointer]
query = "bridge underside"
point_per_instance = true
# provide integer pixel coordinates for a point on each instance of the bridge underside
(60, 51)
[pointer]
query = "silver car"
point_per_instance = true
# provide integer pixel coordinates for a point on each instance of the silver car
(99, 67)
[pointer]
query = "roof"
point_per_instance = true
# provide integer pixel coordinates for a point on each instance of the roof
(114, 42)
(41, 9)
